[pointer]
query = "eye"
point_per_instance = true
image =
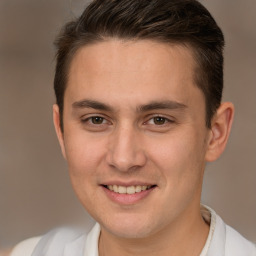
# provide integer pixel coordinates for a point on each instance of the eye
(94, 120)
(97, 120)
(159, 120)
(95, 123)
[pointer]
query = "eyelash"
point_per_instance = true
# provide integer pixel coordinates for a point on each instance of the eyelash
(164, 120)
(89, 120)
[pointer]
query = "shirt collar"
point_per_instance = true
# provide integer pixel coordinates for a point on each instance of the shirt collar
(215, 243)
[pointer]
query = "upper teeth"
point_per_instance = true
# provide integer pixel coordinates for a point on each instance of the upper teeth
(127, 190)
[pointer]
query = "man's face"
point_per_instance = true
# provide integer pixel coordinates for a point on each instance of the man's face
(134, 121)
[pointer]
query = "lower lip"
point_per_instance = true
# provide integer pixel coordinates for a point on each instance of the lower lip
(127, 199)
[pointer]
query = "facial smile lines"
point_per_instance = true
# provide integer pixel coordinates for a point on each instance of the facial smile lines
(128, 190)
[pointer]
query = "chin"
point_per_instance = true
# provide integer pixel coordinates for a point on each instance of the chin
(129, 227)
(129, 232)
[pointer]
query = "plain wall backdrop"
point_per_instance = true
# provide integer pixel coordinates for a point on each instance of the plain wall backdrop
(35, 193)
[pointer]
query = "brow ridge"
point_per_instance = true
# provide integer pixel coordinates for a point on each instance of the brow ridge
(154, 105)
(86, 103)
(167, 104)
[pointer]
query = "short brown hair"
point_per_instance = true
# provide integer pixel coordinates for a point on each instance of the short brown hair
(184, 22)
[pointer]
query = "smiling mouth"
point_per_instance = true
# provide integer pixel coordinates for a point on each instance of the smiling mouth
(128, 190)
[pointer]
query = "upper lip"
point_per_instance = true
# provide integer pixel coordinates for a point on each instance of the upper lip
(127, 184)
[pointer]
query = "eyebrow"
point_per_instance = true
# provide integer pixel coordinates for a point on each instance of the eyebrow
(167, 104)
(154, 105)
(92, 104)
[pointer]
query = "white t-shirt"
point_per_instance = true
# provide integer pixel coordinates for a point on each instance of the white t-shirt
(222, 241)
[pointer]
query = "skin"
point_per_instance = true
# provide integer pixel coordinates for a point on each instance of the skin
(5, 252)
(111, 135)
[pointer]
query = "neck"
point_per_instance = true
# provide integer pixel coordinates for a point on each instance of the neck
(186, 236)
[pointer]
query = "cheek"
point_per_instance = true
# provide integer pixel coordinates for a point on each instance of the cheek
(180, 157)
(84, 154)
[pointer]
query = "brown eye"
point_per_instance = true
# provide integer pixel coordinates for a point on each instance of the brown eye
(97, 120)
(159, 120)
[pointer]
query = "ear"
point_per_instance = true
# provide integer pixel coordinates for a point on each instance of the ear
(220, 130)
(59, 132)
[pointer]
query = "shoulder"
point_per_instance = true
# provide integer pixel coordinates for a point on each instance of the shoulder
(225, 240)
(54, 243)
(54, 239)
(236, 244)
(26, 247)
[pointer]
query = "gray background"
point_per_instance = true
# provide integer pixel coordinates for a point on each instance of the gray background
(35, 194)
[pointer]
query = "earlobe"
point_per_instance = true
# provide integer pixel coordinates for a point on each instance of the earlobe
(59, 132)
(220, 130)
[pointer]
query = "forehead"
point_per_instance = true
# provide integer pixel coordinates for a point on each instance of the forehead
(117, 67)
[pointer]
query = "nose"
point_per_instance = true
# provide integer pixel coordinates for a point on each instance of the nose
(125, 150)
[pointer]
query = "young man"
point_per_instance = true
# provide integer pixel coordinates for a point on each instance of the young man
(138, 86)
